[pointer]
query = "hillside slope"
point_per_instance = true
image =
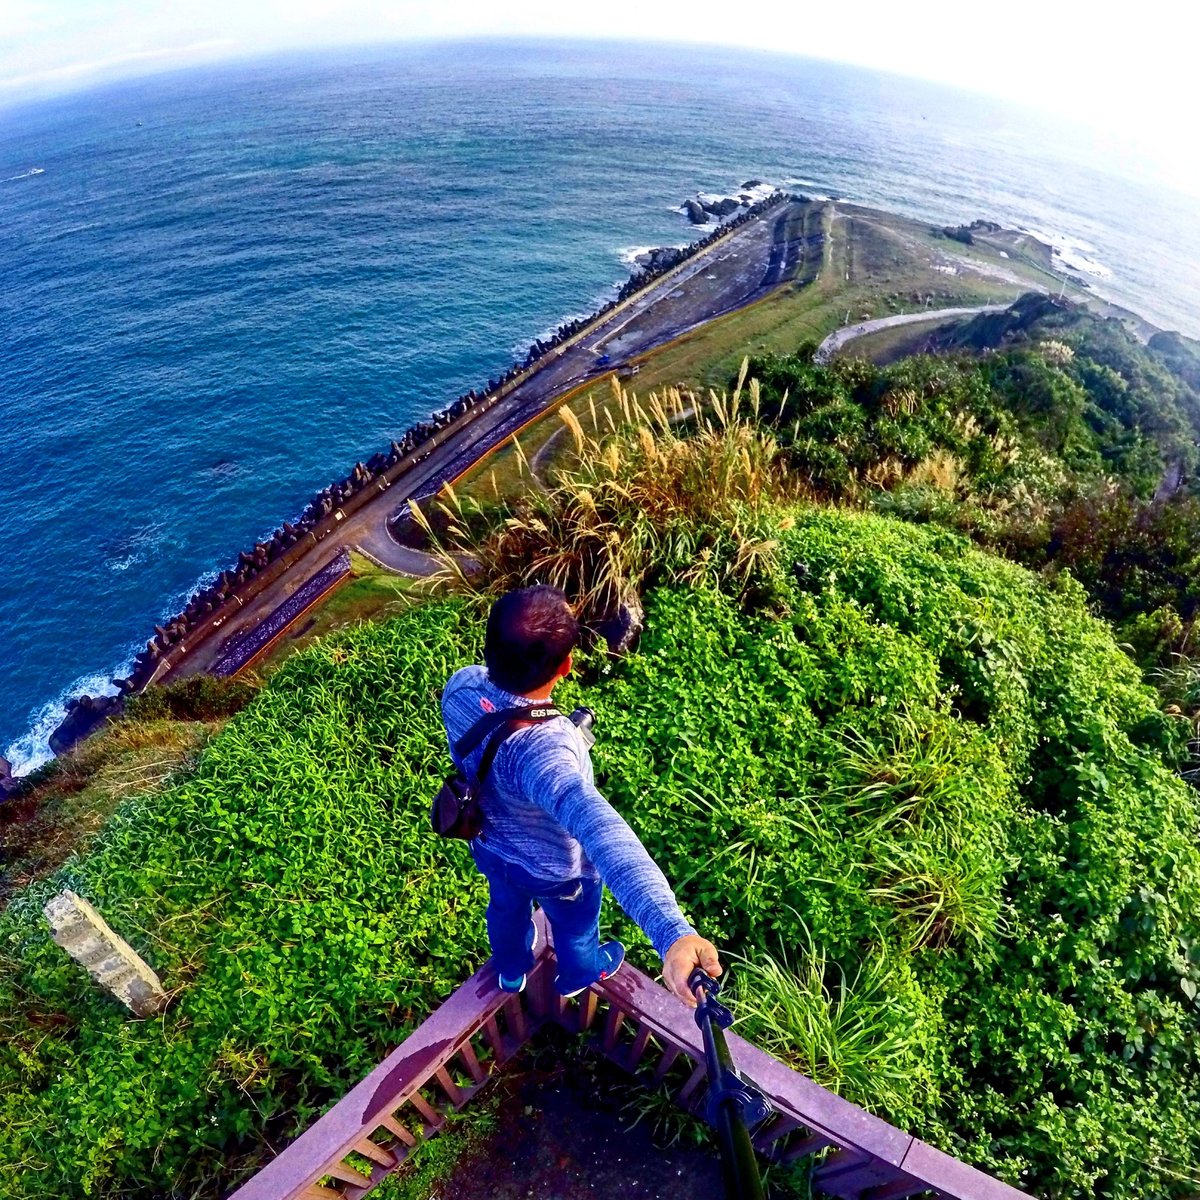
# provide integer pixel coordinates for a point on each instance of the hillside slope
(919, 798)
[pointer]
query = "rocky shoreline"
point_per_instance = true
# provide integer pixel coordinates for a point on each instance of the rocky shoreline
(210, 604)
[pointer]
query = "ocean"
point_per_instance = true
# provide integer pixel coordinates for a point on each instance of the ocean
(221, 287)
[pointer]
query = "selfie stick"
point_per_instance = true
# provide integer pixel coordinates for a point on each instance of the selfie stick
(733, 1104)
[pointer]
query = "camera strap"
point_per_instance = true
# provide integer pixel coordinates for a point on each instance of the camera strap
(513, 718)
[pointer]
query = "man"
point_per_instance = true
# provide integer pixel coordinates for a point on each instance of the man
(548, 834)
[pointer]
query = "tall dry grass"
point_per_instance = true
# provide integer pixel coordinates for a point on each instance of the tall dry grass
(671, 487)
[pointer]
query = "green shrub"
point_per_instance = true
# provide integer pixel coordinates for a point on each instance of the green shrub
(196, 698)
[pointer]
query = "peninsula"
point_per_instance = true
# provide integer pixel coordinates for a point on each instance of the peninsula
(885, 539)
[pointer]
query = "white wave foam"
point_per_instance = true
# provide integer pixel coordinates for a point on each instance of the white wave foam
(629, 254)
(1071, 260)
(26, 174)
(135, 547)
(32, 748)
(1069, 253)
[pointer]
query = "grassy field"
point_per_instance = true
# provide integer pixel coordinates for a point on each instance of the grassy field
(873, 264)
(80, 792)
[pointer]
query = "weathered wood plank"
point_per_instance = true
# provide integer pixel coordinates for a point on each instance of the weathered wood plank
(514, 1013)
(587, 1010)
(400, 1132)
(694, 1080)
(375, 1152)
(315, 1191)
(544, 1001)
(776, 1127)
(848, 1173)
(670, 1053)
(638, 1047)
(900, 1190)
(873, 1161)
(431, 1116)
(949, 1177)
(491, 1033)
(612, 1026)
(803, 1148)
(787, 1091)
(467, 1053)
(346, 1173)
(453, 1091)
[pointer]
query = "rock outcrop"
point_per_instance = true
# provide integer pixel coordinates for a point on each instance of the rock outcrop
(84, 714)
(622, 629)
(661, 258)
(721, 208)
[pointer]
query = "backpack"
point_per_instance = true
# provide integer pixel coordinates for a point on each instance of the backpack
(455, 811)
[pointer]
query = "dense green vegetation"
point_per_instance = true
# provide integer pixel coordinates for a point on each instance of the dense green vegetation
(1065, 444)
(917, 793)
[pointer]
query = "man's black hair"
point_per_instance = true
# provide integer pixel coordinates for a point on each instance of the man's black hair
(529, 634)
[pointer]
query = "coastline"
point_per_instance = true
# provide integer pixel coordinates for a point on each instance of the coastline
(227, 591)
(222, 595)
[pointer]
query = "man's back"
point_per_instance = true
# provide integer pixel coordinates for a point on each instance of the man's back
(515, 826)
(548, 835)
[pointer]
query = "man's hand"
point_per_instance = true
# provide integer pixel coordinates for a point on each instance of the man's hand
(684, 955)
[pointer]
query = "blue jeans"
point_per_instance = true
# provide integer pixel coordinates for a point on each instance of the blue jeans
(573, 908)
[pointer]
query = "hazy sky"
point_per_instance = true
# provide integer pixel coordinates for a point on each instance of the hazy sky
(1132, 74)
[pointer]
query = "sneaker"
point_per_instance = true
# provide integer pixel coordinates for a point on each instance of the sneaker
(518, 984)
(612, 955)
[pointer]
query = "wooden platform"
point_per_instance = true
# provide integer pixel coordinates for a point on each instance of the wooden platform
(638, 1025)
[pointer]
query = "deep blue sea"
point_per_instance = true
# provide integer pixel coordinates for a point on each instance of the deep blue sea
(219, 288)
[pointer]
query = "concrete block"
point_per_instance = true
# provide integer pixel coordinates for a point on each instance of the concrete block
(84, 934)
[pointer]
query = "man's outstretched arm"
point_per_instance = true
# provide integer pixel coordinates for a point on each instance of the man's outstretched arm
(633, 877)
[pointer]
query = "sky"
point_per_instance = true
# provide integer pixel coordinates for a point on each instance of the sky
(1131, 76)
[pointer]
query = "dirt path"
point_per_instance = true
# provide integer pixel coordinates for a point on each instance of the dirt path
(567, 1129)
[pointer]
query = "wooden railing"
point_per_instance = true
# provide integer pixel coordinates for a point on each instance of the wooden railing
(639, 1026)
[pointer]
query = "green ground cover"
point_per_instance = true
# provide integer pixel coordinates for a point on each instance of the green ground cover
(1066, 445)
(1009, 896)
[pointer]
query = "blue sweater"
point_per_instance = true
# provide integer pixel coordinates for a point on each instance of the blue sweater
(542, 812)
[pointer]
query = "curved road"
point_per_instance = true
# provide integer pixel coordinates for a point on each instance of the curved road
(836, 340)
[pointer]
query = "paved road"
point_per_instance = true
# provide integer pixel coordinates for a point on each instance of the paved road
(734, 272)
(836, 340)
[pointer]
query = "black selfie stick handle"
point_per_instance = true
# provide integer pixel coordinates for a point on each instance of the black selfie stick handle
(731, 1101)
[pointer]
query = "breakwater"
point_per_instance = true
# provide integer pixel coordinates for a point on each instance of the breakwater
(210, 607)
